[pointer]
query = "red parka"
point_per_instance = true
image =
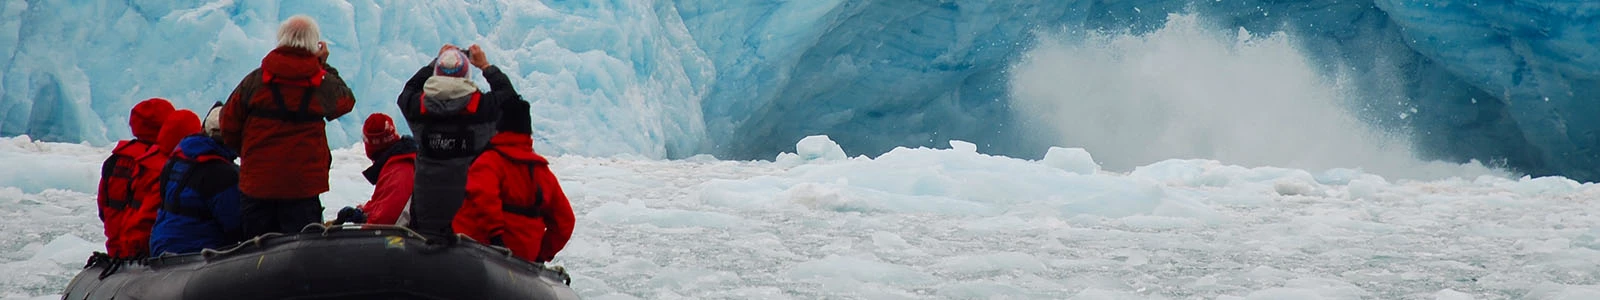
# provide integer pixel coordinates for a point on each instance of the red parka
(147, 185)
(513, 198)
(118, 193)
(275, 119)
(393, 181)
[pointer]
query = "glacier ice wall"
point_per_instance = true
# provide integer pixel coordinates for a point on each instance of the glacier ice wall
(889, 73)
(1539, 60)
(872, 74)
(1509, 82)
(604, 77)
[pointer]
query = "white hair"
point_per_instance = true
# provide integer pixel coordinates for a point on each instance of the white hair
(299, 31)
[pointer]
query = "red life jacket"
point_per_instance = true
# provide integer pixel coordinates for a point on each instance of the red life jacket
(283, 112)
(533, 210)
(116, 198)
(116, 177)
(472, 105)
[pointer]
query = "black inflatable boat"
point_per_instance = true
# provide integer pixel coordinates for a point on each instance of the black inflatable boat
(327, 263)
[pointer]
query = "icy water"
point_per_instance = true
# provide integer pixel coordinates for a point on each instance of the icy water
(954, 224)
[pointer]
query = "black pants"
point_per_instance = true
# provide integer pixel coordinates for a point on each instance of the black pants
(278, 215)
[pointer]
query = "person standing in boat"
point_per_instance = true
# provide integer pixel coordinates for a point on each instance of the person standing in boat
(275, 121)
(394, 159)
(453, 121)
(200, 194)
(119, 190)
(513, 200)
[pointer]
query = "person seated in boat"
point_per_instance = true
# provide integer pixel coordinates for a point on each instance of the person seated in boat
(119, 189)
(394, 159)
(513, 200)
(179, 124)
(200, 193)
(453, 121)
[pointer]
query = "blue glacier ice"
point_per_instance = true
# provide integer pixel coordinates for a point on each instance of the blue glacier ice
(1510, 83)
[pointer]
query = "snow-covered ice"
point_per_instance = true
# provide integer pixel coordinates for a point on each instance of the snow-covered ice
(921, 223)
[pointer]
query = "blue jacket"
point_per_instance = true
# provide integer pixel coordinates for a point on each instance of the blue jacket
(199, 199)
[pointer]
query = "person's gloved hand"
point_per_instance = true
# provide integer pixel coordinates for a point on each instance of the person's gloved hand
(561, 272)
(350, 215)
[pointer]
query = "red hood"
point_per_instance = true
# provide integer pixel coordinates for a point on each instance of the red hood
(293, 64)
(178, 125)
(147, 116)
(517, 146)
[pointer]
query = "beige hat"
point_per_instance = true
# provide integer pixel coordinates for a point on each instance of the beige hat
(212, 126)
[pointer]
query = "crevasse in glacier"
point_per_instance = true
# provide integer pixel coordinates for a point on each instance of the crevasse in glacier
(1509, 82)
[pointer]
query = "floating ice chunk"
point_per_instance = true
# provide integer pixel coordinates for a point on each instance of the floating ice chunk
(689, 279)
(635, 213)
(891, 243)
(1365, 188)
(36, 166)
(67, 249)
(1157, 222)
(758, 292)
(612, 296)
(963, 146)
(852, 268)
(1292, 187)
(1117, 199)
(1556, 291)
(1589, 239)
(889, 240)
(1310, 288)
(1131, 257)
(1284, 293)
(1449, 294)
(633, 266)
(1120, 199)
(1075, 160)
(823, 197)
(1267, 274)
(702, 158)
(580, 246)
(1543, 245)
(994, 262)
(1100, 294)
(1545, 186)
(850, 199)
(983, 290)
(818, 147)
(755, 193)
(1340, 176)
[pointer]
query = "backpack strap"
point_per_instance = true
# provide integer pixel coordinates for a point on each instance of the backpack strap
(169, 202)
(113, 170)
(283, 113)
(472, 105)
(166, 172)
(313, 81)
(107, 170)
